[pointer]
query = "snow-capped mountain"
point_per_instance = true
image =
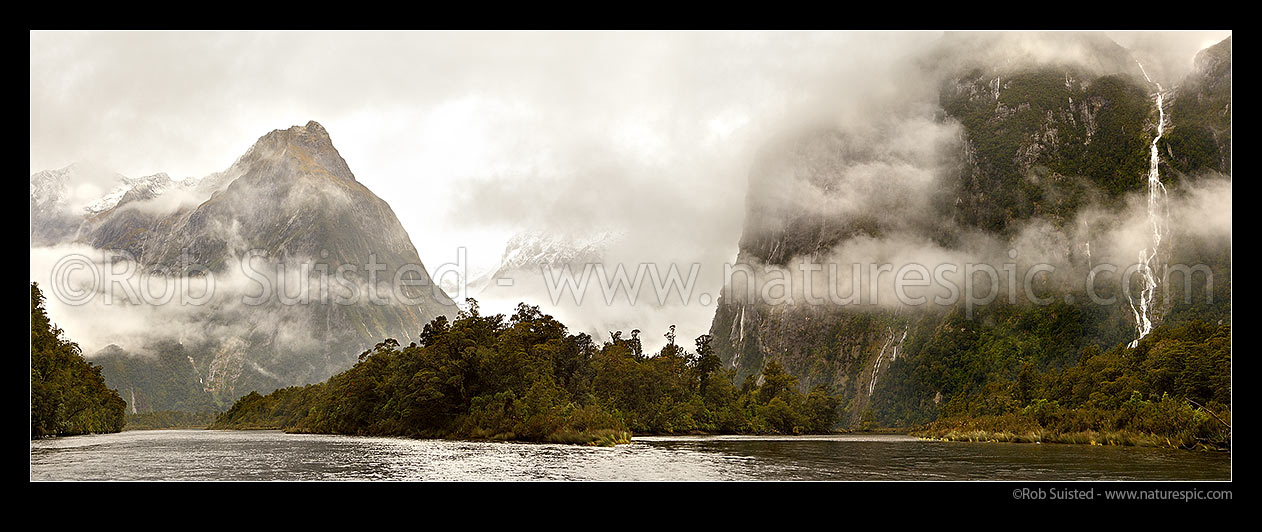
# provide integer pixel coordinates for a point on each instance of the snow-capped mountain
(528, 252)
(60, 199)
(63, 200)
(138, 189)
(74, 186)
(528, 249)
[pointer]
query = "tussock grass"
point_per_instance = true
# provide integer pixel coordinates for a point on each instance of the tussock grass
(1121, 438)
(601, 438)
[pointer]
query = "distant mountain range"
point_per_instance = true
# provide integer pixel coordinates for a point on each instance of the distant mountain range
(528, 253)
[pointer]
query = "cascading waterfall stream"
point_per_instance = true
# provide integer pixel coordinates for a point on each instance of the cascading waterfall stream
(1143, 308)
(880, 358)
(876, 365)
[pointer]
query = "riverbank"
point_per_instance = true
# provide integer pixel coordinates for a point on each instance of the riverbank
(900, 431)
(974, 432)
(595, 437)
(169, 419)
(1170, 422)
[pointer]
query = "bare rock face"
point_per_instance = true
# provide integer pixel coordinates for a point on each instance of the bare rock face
(290, 202)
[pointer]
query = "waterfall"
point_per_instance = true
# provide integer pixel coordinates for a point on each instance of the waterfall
(876, 366)
(740, 339)
(1143, 308)
(894, 355)
(196, 371)
(880, 357)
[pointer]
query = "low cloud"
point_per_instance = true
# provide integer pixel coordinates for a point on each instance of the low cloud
(652, 133)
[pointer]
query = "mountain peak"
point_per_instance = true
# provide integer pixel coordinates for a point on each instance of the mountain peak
(312, 133)
(309, 145)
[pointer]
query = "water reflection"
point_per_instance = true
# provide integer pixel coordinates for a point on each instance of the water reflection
(273, 455)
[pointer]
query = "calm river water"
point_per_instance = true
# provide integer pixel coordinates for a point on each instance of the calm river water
(274, 455)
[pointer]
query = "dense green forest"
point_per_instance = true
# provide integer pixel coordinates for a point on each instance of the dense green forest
(162, 379)
(68, 394)
(1044, 126)
(1025, 378)
(1172, 389)
(169, 419)
(525, 378)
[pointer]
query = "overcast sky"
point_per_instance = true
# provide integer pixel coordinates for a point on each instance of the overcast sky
(472, 137)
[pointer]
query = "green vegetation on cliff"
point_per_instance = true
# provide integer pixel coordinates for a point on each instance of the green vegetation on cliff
(1042, 142)
(525, 378)
(1200, 117)
(68, 394)
(1172, 389)
(163, 379)
(1045, 151)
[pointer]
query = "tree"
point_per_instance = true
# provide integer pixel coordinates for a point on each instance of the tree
(68, 393)
(775, 381)
(706, 362)
(527, 378)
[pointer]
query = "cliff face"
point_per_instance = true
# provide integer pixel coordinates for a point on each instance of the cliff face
(1040, 158)
(1200, 114)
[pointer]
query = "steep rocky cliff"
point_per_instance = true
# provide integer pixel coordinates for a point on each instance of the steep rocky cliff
(1044, 158)
(1201, 114)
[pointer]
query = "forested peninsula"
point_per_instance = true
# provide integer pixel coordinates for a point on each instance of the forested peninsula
(525, 378)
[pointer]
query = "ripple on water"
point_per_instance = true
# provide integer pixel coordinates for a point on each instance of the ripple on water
(273, 455)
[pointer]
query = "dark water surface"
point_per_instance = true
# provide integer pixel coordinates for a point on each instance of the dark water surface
(274, 455)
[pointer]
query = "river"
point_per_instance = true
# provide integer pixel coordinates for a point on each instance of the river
(274, 455)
